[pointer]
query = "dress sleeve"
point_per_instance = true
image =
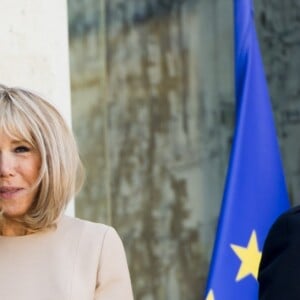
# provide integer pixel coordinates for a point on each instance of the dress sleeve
(113, 280)
(279, 268)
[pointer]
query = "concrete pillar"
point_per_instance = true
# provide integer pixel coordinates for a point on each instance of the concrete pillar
(34, 50)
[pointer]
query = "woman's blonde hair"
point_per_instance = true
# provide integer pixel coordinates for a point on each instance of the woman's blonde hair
(27, 116)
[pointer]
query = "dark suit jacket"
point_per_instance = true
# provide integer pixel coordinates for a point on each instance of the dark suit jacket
(279, 271)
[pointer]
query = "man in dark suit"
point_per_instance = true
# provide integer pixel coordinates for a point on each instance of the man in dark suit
(279, 271)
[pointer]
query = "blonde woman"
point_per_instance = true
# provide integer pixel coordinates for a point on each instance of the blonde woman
(45, 255)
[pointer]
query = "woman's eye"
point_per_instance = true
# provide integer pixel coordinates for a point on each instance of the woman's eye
(22, 149)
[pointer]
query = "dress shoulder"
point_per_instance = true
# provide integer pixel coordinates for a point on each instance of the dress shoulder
(79, 224)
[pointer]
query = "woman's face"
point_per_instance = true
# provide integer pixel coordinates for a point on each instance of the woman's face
(19, 171)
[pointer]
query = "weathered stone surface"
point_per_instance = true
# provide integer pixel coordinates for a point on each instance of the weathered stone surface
(156, 148)
(87, 57)
(168, 140)
(278, 24)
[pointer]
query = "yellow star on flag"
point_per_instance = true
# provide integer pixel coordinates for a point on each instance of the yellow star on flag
(210, 296)
(250, 257)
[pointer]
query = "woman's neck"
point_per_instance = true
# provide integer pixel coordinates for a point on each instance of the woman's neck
(12, 228)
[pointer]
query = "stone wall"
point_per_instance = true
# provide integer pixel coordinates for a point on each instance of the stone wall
(88, 73)
(167, 145)
(153, 110)
(278, 24)
(152, 96)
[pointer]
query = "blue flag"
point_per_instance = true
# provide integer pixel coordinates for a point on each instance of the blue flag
(255, 191)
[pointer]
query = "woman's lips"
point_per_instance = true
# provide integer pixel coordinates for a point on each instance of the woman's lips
(9, 192)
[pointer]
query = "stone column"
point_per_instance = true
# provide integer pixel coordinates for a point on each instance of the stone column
(34, 50)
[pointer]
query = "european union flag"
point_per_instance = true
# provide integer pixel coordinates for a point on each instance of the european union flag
(255, 192)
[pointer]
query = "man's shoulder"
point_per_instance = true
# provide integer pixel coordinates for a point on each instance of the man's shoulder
(293, 212)
(288, 221)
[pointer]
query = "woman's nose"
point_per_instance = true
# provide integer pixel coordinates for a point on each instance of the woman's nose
(6, 165)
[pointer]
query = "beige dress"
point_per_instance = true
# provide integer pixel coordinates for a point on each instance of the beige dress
(79, 260)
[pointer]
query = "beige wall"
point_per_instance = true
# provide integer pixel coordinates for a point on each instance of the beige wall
(34, 48)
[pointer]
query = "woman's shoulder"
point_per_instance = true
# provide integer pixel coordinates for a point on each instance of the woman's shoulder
(83, 227)
(77, 223)
(88, 231)
(100, 237)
